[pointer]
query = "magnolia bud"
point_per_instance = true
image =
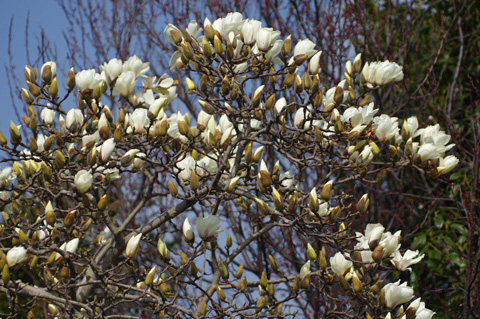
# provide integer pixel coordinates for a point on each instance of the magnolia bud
(326, 192)
(188, 234)
(273, 263)
(312, 255)
(239, 272)
(132, 245)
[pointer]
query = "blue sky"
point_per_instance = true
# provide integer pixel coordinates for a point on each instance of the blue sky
(45, 14)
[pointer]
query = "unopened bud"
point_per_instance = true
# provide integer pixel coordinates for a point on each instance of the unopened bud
(273, 263)
(239, 272)
(326, 192)
(232, 183)
(312, 255)
(27, 96)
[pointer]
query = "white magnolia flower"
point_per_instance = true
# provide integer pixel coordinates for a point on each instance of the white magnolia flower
(390, 243)
(136, 65)
(423, 313)
(387, 127)
(364, 250)
(388, 72)
(206, 165)
(140, 119)
(428, 151)
(373, 233)
(208, 227)
(381, 73)
(47, 115)
(314, 64)
(157, 105)
(402, 263)
(305, 270)
(447, 164)
(111, 70)
(74, 120)
(132, 245)
(273, 52)
(224, 123)
(167, 33)
(186, 166)
(306, 47)
(359, 116)
(265, 38)
(83, 181)
(280, 105)
(70, 247)
(324, 209)
(193, 28)
(302, 118)
(232, 23)
(125, 84)
(203, 120)
(396, 294)
(5, 173)
(107, 148)
(16, 255)
(286, 179)
(366, 156)
(249, 30)
(87, 79)
(188, 231)
(340, 265)
(410, 126)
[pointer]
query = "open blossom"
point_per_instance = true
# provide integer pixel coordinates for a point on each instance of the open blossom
(447, 164)
(208, 227)
(139, 118)
(265, 38)
(423, 313)
(111, 70)
(381, 73)
(340, 265)
(359, 116)
(16, 255)
(186, 166)
(397, 294)
(390, 243)
(373, 234)
(306, 47)
(135, 65)
(83, 181)
(249, 30)
(229, 24)
(388, 72)
(167, 33)
(70, 247)
(87, 79)
(387, 127)
(402, 263)
(206, 165)
(410, 125)
(125, 84)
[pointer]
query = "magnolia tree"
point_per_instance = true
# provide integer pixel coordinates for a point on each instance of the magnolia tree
(245, 209)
